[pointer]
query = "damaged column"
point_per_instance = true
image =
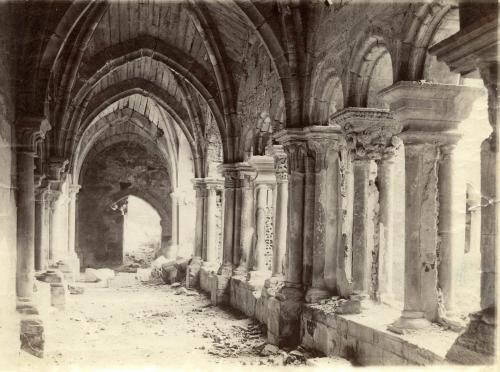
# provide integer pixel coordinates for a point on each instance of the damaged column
(40, 236)
(264, 183)
(231, 232)
(429, 115)
(370, 138)
(241, 256)
(74, 261)
(283, 326)
(475, 48)
(29, 131)
(193, 269)
(323, 145)
(280, 221)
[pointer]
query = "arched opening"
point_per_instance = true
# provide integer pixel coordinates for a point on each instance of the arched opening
(142, 232)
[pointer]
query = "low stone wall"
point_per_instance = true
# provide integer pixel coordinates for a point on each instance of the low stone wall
(346, 336)
(361, 338)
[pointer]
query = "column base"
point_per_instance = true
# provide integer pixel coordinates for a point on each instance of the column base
(219, 289)
(409, 320)
(283, 327)
(31, 328)
(316, 294)
(477, 344)
(24, 306)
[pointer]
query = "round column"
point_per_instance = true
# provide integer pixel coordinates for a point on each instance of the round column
(452, 203)
(211, 225)
(361, 260)
(386, 219)
(25, 225)
(260, 245)
(280, 225)
(247, 225)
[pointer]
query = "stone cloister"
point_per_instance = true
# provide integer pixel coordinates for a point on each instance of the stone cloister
(329, 168)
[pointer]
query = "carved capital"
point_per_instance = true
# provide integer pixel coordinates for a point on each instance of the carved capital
(369, 133)
(281, 167)
(237, 174)
(56, 168)
(30, 131)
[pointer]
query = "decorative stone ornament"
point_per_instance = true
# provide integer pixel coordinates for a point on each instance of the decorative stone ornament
(370, 133)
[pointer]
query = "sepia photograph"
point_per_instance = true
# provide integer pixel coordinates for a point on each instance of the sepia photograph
(226, 185)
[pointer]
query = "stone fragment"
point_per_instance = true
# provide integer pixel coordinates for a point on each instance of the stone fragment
(397, 330)
(32, 337)
(73, 289)
(294, 357)
(175, 285)
(269, 350)
(169, 272)
(348, 306)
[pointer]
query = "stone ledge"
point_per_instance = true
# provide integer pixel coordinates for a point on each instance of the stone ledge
(364, 338)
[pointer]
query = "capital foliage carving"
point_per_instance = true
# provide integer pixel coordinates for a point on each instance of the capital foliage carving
(281, 167)
(369, 133)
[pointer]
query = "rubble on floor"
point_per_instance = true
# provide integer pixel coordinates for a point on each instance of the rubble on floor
(156, 314)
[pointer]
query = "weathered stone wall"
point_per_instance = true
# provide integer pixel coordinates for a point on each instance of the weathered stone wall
(120, 170)
(349, 338)
(259, 98)
(9, 326)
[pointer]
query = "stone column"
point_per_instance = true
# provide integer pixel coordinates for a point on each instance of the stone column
(174, 244)
(323, 145)
(211, 249)
(201, 196)
(39, 227)
(193, 270)
(25, 224)
(362, 242)
(260, 229)
(370, 137)
(284, 310)
(386, 231)
(247, 224)
(52, 197)
(280, 224)
(28, 132)
(451, 226)
(430, 115)
(231, 184)
(72, 256)
(265, 179)
(475, 47)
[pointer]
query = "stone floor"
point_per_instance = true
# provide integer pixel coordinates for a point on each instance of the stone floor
(133, 325)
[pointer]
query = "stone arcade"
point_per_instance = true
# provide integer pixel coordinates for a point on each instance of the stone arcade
(307, 157)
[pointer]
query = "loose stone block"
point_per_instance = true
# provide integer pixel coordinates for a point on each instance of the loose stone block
(32, 337)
